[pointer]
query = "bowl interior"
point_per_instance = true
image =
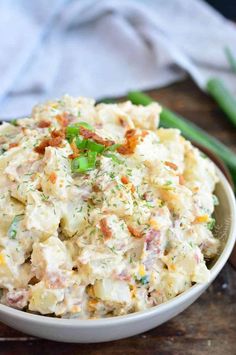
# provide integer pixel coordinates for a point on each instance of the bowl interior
(224, 218)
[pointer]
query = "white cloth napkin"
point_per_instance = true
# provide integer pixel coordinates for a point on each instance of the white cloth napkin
(103, 48)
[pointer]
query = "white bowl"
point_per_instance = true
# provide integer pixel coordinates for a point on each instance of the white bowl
(91, 331)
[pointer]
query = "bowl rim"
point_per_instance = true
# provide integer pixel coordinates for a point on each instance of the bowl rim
(150, 312)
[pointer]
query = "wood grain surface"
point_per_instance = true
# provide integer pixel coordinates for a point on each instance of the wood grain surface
(206, 327)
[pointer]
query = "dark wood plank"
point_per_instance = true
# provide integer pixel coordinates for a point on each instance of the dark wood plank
(208, 326)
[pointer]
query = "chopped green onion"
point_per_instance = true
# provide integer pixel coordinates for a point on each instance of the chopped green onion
(13, 122)
(223, 97)
(211, 224)
(12, 231)
(95, 147)
(113, 147)
(85, 125)
(92, 156)
(144, 280)
(169, 119)
(71, 132)
(113, 157)
(80, 164)
(81, 143)
(2, 151)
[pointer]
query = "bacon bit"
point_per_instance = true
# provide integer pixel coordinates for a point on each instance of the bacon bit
(201, 219)
(131, 141)
(58, 133)
(53, 177)
(124, 180)
(87, 134)
(171, 165)
(13, 145)
(64, 119)
(40, 149)
(130, 133)
(44, 124)
(75, 153)
(55, 141)
(106, 230)
(132, 188)
(135, 233)
(95, 188)
(181, 180)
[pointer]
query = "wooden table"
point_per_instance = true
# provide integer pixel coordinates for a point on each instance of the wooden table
(206, 327)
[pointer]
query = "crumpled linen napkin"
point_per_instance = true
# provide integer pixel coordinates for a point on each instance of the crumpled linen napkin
(103, 48)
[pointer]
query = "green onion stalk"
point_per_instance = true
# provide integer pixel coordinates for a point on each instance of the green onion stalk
(221, 94)
(169, 119)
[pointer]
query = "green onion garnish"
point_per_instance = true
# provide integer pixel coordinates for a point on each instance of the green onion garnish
(113, 157)
(144, 280)
(71, 132)
(92, 159)
(113, 147)
(81, 143)
(211, 224)
(80, 165)
(95, 147)
(85, 125)
(13, 122)
(89, 148)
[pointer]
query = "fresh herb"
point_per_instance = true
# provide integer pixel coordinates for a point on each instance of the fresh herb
(112, 147)
(45, 197)
(144, 280)
(81, 143)
(85, 125)
(88, 148)
(12, 231)
(2, 151)
(71, 132)
(95, 147)
(113, 157)
(211, 224)
(80, 165)
(14, 122)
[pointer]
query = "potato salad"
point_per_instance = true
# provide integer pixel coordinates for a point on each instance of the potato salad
(102, 212)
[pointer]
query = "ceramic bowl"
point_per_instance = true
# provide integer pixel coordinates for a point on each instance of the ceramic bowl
(89, 331)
